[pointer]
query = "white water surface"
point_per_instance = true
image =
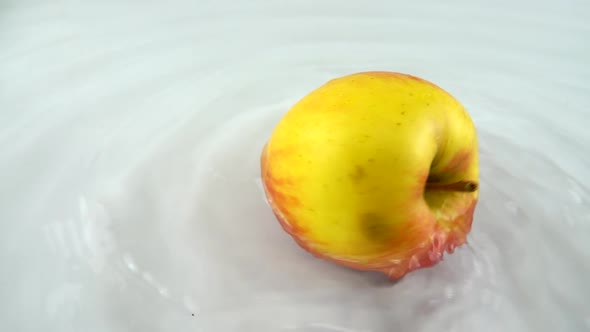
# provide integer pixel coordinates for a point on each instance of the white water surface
(130, 135)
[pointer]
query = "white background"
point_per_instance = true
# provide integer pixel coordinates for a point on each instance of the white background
(130, 133)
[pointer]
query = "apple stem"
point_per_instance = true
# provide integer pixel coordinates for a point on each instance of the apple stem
(463, 186)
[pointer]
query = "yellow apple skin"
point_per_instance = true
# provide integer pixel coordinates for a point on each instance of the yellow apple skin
(376, 171)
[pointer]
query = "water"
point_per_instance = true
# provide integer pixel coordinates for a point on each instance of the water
(130, 137)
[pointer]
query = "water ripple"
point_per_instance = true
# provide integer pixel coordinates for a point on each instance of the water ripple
(131, 136)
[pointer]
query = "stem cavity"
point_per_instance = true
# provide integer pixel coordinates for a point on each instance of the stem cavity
(461, 186)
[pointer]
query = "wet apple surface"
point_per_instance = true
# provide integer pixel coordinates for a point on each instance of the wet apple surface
(375, 171)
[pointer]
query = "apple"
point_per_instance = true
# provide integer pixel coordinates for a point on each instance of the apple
(375, 171)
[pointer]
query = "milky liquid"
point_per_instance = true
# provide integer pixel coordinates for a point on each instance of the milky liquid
(131, 133)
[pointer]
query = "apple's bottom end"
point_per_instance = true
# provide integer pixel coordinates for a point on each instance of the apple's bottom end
(397, 265)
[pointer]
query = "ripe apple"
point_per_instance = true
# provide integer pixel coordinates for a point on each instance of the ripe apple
(374, 171)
